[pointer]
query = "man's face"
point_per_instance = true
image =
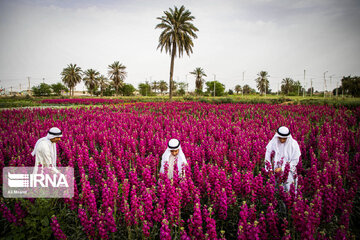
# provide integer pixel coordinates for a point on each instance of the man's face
(55, 140)
(174, 152)
(282, 140)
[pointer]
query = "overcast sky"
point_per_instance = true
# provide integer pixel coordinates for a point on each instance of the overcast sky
(38, 38)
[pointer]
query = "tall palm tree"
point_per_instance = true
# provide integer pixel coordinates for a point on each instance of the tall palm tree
(91, 80)
(103, 84)
(199, 81)
(286, 85)
(117, 74)
(177, 36)
(71, 75)
(262, 82)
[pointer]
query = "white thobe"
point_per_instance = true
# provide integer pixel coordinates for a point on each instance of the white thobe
(288, 152)
(45, 154)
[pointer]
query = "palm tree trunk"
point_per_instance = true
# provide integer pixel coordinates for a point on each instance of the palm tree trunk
(172, 70)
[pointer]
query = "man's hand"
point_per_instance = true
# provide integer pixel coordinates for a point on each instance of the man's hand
(277, 170)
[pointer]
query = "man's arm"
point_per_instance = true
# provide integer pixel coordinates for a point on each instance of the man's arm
(293, 164)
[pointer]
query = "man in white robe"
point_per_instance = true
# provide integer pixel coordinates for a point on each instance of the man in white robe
(173, 154)
(286, 150)
(45, 150)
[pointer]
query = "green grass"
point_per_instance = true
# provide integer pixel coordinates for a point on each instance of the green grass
(350, 102)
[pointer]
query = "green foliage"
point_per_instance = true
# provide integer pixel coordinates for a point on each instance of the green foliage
(42, 90)
(199, 81)
(145, 89)
(180, 92)
(163, 86)
(36, 224)
(182, 86)
(219, 88)
(231, 92)
(91, 80)
(117, 74)
(109, 91)
(238, 89)
(248, 90)
(262, 82)
(58, 87)
(71, 75)
(199, 92)
(291, 88)
(128, 90)
(351, 85)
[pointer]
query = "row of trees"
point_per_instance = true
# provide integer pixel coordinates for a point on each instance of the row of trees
(46, 90)
(73, 74)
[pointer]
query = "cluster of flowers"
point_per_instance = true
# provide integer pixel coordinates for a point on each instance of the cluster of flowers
(84, 101)
(225, 194)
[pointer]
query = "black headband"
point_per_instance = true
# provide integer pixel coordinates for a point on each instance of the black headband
(281, 134)
(173, 147)
(55, 134)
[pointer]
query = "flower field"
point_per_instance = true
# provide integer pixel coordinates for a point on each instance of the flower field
(226, 194)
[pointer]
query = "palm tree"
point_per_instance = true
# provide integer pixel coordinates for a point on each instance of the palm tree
(286, 85)
(91, 80)
(163, 86)
(117, 74)
(155, 86)
(247, 89)
(237, 89)
(71, 75)
(199, 81)
(103, 83)
(262, 82)
(177, 35)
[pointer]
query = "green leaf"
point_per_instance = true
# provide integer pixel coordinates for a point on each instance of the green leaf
(45, 221)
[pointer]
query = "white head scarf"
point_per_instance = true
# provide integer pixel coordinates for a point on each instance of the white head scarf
(173, 144)
(52, 133)
(291, 149)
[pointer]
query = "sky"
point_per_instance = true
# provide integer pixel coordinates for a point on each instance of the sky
(236, 38)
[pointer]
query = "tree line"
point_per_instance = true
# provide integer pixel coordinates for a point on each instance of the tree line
(177, 37)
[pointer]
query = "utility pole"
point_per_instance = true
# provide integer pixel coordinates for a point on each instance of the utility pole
(43, 80)
(311, 88)
(337, 88)
(325, 83)
(304, 84)
(330, 81)
(29, 83)
(214, 83)
(20, 87)
(242, 89)
(10, 90)
(146, 86)
(277, 94)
